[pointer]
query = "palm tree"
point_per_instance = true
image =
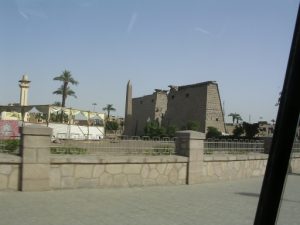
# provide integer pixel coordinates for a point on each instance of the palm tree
(54, 116)
(238, 118)
(108, 108)
(64, 90)
(273, 121)
(235, 117)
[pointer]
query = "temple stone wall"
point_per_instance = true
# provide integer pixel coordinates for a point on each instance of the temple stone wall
(147, 108)
(161, 101)
(186, 104)
(198, 103)
(214, 113)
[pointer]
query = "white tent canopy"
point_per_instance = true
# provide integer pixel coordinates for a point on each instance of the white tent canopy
(48, 109)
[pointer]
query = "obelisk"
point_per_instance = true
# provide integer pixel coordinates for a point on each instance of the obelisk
(128, 110)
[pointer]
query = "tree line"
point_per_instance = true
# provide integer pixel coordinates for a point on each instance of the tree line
(247, 130)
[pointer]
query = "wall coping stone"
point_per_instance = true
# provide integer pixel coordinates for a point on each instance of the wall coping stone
(36, 130)
(7, 158)
(63, 159)
(190, 134)
(224, 157)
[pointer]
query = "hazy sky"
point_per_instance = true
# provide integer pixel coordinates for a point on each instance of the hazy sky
(243, 45)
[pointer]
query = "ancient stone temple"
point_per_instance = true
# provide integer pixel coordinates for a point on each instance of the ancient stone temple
(196, 102)
(199, 103)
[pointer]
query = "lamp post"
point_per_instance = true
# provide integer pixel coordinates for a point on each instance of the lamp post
(94, 104)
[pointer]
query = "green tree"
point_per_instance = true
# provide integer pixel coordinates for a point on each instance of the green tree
(65, 91)
(213, 132)
(191, 125)
(251, 129)
(59, 117)
(55, 117)
(109, 108)
(238, 131)
(171, 131)
(152, 129)
(111, 125)
(56, 103)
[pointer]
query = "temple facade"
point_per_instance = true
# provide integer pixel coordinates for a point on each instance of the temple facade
(199, 103)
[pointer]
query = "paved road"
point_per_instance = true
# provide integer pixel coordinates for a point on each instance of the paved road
(229, 203)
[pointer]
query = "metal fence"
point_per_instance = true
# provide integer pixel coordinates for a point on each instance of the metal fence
(117, 147)
(233, 146)
(155, 146)
(10, 145)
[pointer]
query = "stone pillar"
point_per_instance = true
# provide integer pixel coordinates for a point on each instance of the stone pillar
(267, 144)
(35, 151)
(191, 144)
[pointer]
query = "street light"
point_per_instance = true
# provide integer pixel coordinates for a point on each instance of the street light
(94, 104)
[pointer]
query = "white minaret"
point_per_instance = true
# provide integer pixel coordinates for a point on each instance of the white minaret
(24, 85)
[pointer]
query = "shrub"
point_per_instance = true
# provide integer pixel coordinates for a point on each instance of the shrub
(213, 132)
(191, 125)
(11, 145)
(111, 125)
(152, 129)
(171, 131)
(68, 150)
(238, 131)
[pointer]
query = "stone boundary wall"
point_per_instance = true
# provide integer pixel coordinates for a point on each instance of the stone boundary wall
(37, 170)
(219, 167)
(232, 167)
(9, 172)
(69, 172)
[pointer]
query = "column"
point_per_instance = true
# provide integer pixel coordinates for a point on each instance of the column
(191, 144)
(35, 151)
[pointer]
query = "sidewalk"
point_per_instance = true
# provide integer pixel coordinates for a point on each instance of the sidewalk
(229, 203)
